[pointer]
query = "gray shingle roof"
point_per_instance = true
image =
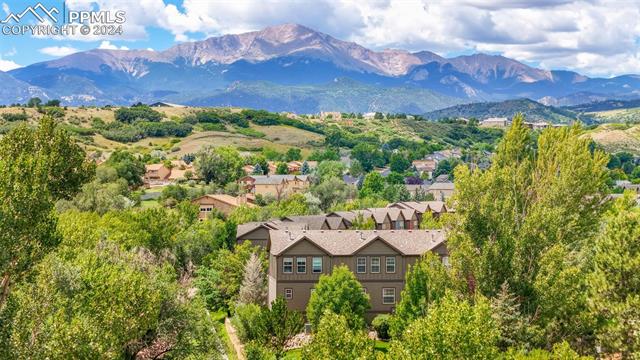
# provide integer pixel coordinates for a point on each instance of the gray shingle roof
(349, 242)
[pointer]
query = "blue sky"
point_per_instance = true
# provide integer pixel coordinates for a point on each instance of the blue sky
(594, 37)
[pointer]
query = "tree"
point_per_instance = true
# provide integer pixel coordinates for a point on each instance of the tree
(278, 325)
(395, 178)
(446, 167)
(395, 193)
(100, 197)
(614, 284)
(535, 194)
(37, 167)
(360, 223)
(455, 329)
(514, 330)
(340, 293)
(399, 163)
(253, 289)
(334, 339)
(220, 278)
(53, 102)
(219, 165)
(368, 155)
(293, 154)
(127, 166)
(562, 312)
(330, 169)
(34, 102)
(282, 168)
(373, 185)
(257, 170)
(332, 191)
(304, 169)
(425, 283)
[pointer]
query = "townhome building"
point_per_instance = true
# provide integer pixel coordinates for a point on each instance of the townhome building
(378, 258)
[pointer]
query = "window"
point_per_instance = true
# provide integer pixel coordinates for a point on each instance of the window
(361, 265)
(288, 294)
(375, 265)
(316, 264)
(391, 264)
(388, 295)
(301, 265)
(287, 265)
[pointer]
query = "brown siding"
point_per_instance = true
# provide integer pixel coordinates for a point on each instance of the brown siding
(374, 283)
(258, 237)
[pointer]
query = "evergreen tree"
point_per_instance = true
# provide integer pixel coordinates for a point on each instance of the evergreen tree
(253, 289)
(305, 170)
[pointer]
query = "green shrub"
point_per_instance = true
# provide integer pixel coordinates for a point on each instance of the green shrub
(11, 117)
(246, 320)
(213, 127)
(255, 351)
(137, 112)
(381, 325)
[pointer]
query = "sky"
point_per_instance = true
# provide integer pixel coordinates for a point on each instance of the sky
(595, 38)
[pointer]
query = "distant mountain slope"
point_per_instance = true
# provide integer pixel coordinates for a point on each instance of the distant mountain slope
(606, 105)
(532, 110)
(297, 56)
(340, 95)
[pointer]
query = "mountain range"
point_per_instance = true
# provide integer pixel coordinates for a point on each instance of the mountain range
(291, 67)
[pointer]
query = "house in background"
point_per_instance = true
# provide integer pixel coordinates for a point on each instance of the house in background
(156, 175)
(427, 166)
(220, 202)
(441, 190)
(378, 258)
(161, 175)
(277, 186)
(497, 122)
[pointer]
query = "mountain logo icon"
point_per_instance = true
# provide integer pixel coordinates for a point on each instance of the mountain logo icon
(36, 11)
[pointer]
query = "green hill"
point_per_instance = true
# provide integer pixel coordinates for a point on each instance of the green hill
(532, 110)
(343, 95)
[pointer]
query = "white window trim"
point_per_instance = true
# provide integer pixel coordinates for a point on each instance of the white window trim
(379, 265)
(298, 266)
(358, 265)
(284, 261)
(386, 263)
(313, 269)
(288, 293)
(383, 296)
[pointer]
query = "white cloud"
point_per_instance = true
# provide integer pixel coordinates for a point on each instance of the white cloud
(6, 65)
(58, 50)
(109, 46)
